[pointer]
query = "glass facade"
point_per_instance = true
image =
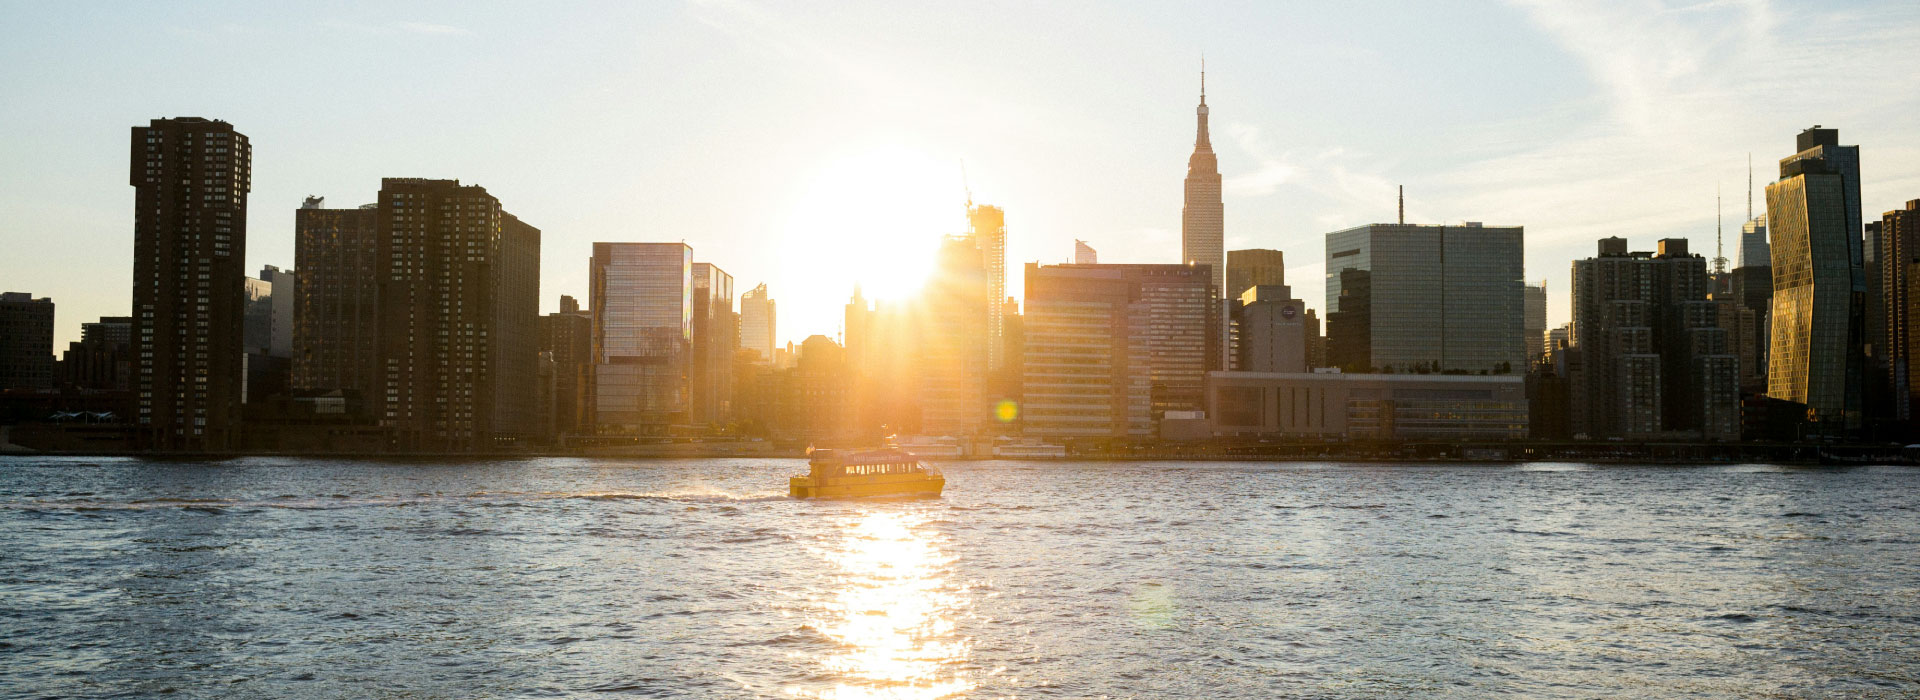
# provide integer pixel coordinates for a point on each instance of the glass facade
(642, 306)
(1817, 323)
(1434, 298)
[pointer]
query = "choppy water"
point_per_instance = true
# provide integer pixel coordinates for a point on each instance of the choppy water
(575, 577)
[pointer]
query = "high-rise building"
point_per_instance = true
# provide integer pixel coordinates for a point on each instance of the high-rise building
(642, 304)
(1270, 333)
(458, 340)
(102, 360)
(951, 339)
(190, 177)
(1203, 218)
(987, 226)
(716, 336)
(1817, 324)
(1412, 298)
(1256, 266)
(1753, 243)
(1898, 233)
(758, 321)
(1084, 254)
(337, 302)
(26, 341)
(1535, 327)
(1110, 348)
(568, 341)
(1653, 359)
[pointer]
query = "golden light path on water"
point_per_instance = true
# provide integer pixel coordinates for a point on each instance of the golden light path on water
(891, 612)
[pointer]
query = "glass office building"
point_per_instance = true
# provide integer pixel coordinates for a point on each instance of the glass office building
(642, 305)
(1412, 298)
(1816, 354)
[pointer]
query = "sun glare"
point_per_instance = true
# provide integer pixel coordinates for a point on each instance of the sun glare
(875, 219)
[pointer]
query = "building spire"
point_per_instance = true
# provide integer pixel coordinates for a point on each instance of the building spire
(1202, 142)
(1719, 259)
(1749, 185)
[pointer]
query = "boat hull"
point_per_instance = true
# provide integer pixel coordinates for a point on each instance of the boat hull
(877, 486)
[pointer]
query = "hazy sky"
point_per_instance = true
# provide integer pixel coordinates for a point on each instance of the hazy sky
(811, 145)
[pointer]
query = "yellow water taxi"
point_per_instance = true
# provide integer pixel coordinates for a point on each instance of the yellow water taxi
(888, 472)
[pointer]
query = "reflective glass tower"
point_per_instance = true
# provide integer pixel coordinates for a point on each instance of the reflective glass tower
(1818, 327)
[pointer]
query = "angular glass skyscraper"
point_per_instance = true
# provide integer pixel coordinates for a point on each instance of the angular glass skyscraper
(1412, 298)
(1818, 328)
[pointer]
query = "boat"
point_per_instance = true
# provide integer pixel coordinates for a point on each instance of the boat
(886, 472)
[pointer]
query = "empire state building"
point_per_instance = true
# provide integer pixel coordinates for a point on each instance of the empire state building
(1202, 220)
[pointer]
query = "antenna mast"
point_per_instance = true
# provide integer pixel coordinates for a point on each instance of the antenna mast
(965, 186)
(1719, 260)
(1403, 205)
(1749, 185)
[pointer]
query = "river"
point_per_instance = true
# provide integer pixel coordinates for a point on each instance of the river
(305, 578)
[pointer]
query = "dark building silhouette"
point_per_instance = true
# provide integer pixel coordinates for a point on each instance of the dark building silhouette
(102, 359)
(1818, 321)
(1898, 305)
(567, 338)
(337, 301)
(459, 317)
(26, 341)
(1653, 360)
(190, 177)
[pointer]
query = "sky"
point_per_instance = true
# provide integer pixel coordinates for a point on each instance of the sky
(813, 146)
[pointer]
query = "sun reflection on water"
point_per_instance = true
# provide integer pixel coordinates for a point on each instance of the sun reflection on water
(891, 614)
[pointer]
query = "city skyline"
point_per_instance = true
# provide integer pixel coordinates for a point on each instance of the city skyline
(1542, 150)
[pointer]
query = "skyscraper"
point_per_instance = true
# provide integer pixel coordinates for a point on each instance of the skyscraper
(642, 305)
(1084, 254)
(458, 340)
(568, 340)
(950, 339)
(1256, 266)
(987, 226)
(1410, 298)
(1898, 232)
(337, 307)
(1535, 328)
(1111, 348)
(1202, 219)
(1819, 281)
(26, 341)
(190, 177)
(758, 322)
(716, 335)
(1653, 359)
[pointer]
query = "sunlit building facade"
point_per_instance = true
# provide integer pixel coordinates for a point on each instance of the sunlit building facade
(716, 335)
(987, 226)
(1254, 266)
(641, 300)
(1817, 324)
(1109, 349)
(758, 321)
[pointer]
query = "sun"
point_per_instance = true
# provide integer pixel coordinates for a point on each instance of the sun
(875, 218)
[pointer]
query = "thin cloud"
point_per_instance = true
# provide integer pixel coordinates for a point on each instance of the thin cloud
(395, 28)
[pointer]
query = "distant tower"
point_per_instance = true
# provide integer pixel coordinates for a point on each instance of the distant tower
(1084, 254)
(1719, 257)
(1403, 205)
(1202, 228)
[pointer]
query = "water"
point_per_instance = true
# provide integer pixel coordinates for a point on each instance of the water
(589, 578)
